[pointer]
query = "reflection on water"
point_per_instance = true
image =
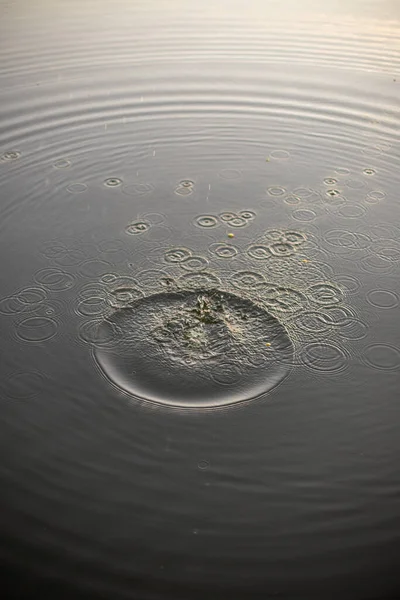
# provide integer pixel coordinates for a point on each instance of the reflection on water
(199, 202)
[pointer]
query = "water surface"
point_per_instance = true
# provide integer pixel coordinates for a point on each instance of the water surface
(156, 444)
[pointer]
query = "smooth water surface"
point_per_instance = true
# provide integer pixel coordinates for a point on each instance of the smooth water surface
(200, 283)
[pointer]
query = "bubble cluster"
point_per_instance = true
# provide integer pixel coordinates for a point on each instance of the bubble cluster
(203, 304)
(229, 218)
(11, 155)
(276, 242)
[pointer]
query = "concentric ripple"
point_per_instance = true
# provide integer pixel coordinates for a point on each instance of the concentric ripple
(194, 349)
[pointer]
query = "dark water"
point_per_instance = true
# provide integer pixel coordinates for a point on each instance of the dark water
(200, 260)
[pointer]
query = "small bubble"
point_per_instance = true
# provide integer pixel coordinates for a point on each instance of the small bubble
(23, 385)
(54, 279)
(280, 154)
(199, 280)
(281, 249)
(203, 464)
(137, 227)
(276, 190)
(154, 218)
(387, 249)
(167, 282)
(294, 237)
(99, 333)
(36, 329)
(227, 216)
(113, 182)
(32, 296)
(352, 211)
(328, 358)
(355, 184)
(94, 268)
(90, 307)
(194, 263)
(186, 183)
(110, 246)
(158, 234)
(375, 196)
(330, 181)
(108, 278)
(206, 221)
(304, 214)
(151, 277)
(259, 252)
(62, 163)
(91, 290)
(177, 255)
(223, 250)
(227, 373)
(384, 357)
(375, 264)
(238, 222)
(230, 174)
(11, 155)
(124, 296)
(303, 192)
(354, 329)
(325, 294)
(369, 171)
(183, 191)
(333, 192)
(375, 150)
(342, 171)
(249, 215)
(11, 305)
(138, 189)
(77, 188)
(246, 279)
(292, 200)
(349, 283)
(312, 322)
(337, 315)
(385, 299)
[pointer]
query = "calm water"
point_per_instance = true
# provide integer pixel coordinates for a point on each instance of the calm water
(200, 261)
